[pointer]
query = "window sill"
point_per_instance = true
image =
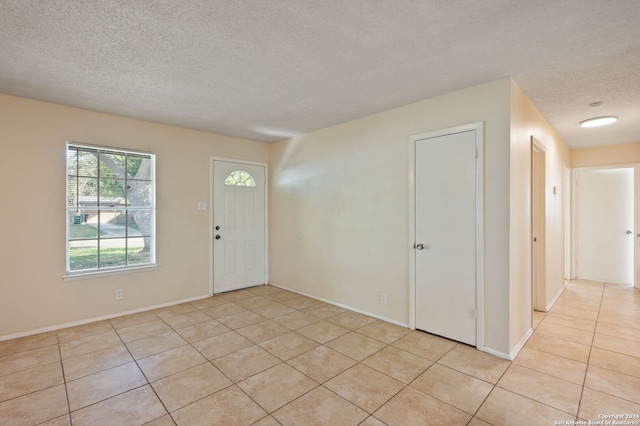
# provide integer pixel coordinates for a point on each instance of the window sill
(103, 273)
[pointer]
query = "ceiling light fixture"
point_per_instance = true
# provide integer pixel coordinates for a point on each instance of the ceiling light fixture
(598, 121)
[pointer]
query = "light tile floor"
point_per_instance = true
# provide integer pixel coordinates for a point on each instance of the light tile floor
(266, 356)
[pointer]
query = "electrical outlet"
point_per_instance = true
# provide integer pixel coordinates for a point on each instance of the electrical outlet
(202, 206)
(119, 294)
(382, 298)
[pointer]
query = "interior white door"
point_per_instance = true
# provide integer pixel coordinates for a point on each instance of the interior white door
(445, 227)
(605, 224)
(238, 226)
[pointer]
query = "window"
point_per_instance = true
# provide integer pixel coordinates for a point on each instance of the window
(239, 178)
(110, 209)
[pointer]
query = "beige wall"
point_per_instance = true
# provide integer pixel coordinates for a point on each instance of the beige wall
(32, 172)
(606, 155)
(526, 121)
(338, 209)
(339, 206)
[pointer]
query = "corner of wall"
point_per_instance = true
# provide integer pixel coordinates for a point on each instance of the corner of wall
(527, 121)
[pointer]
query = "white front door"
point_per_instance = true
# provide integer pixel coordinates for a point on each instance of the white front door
(238, 225)
(605, 224)
(445, 235)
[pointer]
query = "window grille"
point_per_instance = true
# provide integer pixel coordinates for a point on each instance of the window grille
(240, 178)
(110, 209)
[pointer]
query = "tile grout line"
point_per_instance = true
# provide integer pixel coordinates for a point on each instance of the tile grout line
(64, 382)
(209, 361)
(143, 374)
(586, 372)
(107, 369)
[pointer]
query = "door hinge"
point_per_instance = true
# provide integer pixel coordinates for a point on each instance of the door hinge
(475, 314)
(476, 152)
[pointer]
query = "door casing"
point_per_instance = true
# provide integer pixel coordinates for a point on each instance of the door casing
(538, 225)
(575, 252)
(211, 224)
(479, 213)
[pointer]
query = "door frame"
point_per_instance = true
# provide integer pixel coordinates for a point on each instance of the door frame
(266, 214)
(539, 257)
(568, 249)
(479, 134)
(636, 216)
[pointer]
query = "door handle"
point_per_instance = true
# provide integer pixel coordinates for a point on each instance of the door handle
(629, 232)
(217, 237)
(419, 246)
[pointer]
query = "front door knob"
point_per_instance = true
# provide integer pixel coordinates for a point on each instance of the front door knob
(629, 232)
(217, 237)
(420, 246)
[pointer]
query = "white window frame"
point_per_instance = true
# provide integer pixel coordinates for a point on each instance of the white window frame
(71, 209)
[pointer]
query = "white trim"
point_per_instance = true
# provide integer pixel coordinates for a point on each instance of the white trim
(555, 298)
(480, 235)
(109, 148)
(412, 233)
(266, 214)
(340, 305)
(497, 353)
(104, 272)
(102, 318)
(479, 134)
(514, 352)
(566, 205)
(574, 237)
(538, 293)
(636, 225)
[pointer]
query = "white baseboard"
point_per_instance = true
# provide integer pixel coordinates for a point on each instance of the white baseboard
(340, 305)
(555, 298)
(102, 318)
(496, 353)
(520, 345)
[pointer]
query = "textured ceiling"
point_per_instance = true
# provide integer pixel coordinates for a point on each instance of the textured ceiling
(270, 69)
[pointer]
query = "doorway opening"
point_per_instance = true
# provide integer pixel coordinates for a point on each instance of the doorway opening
(604, 224)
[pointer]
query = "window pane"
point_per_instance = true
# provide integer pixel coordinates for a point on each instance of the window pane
(83, 224)
(139, 193)
(83, 255)
(136, 252)
(141, 223)
(87, 162)
(112, 165)
(240, 178)
(139, 166)
(113, 224)
(72, 161)
(87, 192)
(72, 191)
(113, 252)
(112, 192)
